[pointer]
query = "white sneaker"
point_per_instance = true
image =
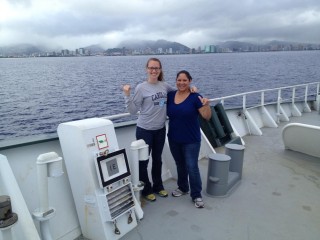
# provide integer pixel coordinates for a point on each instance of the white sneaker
(198, 203)
(178, 193)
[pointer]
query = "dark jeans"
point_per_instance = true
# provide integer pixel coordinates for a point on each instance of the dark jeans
(186, 158)
(155, 139)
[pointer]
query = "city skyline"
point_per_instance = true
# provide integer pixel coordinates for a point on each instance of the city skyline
(157, 48)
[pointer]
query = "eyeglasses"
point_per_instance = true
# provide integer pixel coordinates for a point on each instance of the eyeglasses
(154, 68)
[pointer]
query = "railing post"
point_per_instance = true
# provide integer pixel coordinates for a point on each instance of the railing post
(306, 94)
(318, 98)
(278, 106)
(294, 110)
(262, 98)
(244, 99)
(293, 95)
(306, 107)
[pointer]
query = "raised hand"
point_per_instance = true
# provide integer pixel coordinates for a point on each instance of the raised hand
(126, 89)
(204, 101)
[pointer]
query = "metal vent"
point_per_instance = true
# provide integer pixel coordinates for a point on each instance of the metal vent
(120, 201)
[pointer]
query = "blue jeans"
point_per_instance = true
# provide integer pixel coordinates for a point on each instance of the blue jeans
(155, 139)
(186, 158)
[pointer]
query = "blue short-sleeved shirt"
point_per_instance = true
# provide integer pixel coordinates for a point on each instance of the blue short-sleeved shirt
(184, 126)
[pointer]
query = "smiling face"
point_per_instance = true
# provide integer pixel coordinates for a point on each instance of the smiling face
(183, 83)
(153, 70)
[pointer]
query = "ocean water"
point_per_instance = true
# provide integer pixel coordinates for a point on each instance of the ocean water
(37, 94)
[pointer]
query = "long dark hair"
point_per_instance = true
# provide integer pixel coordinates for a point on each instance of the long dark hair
(160, 78)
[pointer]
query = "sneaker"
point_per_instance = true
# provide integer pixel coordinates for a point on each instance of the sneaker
(178, 193)
(198, 203)
(150, 197)
(163, 193)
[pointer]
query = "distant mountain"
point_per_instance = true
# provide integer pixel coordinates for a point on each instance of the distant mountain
(147, 47)
(154, 45)
(276, 42)
(96, 48)
(20, 49)
(28, 49)
(242, 45)
(235, 44)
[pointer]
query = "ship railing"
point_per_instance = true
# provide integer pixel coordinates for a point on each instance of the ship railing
(302, 93)
(280, 98)
(293, 97)
(117, 116)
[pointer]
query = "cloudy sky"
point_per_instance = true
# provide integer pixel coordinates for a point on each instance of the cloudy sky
(79, 23)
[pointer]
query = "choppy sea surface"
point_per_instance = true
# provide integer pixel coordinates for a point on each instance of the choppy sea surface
(37, 94)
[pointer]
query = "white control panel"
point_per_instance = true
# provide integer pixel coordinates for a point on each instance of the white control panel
(100, 178)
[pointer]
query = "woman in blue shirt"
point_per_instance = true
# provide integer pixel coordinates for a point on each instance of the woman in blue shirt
(183, 109)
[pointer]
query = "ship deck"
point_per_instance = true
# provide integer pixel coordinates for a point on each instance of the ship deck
(277, 198)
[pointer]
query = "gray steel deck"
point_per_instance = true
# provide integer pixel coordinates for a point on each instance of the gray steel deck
(277, 198)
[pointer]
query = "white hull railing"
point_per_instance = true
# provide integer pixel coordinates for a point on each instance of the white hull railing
(281, 115)
(268, 121)
(262, 101)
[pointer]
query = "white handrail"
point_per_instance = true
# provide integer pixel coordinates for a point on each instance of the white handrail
(279, 98)
(267, 90)
(281, 88)
(244, 95)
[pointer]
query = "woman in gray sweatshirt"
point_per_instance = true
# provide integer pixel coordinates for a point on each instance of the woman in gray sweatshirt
(150, 98)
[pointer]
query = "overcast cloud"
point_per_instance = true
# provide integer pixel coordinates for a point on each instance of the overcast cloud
(79, 23)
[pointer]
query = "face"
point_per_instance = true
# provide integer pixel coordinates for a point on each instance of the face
(183, 83)
(153, 70)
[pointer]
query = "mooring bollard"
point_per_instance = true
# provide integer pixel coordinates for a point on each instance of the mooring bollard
(218, 172)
